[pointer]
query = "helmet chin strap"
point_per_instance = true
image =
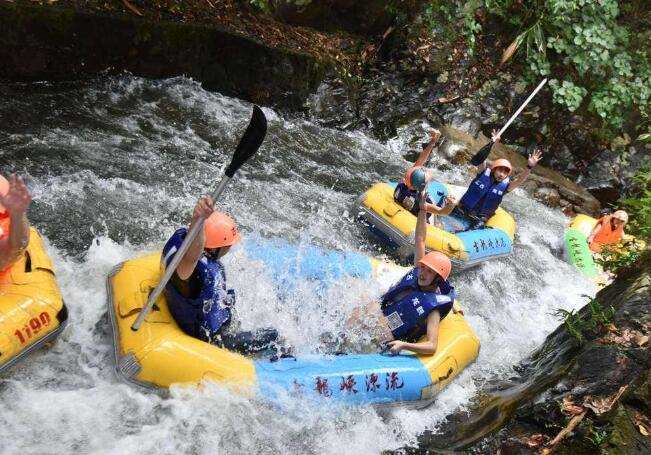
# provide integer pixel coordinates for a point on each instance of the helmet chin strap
(213, 253)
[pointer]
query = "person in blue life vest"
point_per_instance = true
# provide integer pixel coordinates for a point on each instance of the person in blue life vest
(197, 295)
(413, 307)
(492, 182)
(407, 192)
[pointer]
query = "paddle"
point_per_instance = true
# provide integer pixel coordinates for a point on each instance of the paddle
(249, 144)
(483, 153)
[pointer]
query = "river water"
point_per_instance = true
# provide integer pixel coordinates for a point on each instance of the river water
(115, 165)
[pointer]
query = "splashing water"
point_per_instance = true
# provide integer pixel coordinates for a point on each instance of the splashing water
(116, 164)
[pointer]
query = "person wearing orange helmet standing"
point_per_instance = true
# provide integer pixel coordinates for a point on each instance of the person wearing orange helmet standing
(197, 295)
(608, 230)
(415, 305)
(14, 227)
(492, 182)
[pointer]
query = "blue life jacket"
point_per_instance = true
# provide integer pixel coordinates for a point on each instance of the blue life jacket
(204, 315)
(407, 307)
(484, 195)
(409, 199)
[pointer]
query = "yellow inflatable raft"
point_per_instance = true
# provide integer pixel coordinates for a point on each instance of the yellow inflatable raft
(161, 355)
(394, 226)
(32, 311)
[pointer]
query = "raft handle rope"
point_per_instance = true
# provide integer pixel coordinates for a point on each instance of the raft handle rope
(248, 145)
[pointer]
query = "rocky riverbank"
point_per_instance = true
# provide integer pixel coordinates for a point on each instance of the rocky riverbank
(586, 390)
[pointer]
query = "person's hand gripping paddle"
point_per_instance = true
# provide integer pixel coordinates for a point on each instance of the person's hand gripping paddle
(249, 144)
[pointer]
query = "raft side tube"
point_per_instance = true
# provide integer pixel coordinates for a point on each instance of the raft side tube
(283, 260)
(32, 311)
(579, 254)
(374, 378)
(159, 354)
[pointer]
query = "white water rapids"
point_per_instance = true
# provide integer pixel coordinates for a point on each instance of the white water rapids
(115, 166)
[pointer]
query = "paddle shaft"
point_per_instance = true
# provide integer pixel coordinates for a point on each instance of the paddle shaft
(513, 117)
(178, 256)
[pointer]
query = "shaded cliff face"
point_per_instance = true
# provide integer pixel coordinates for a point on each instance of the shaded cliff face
(71, 40)
(599, 388)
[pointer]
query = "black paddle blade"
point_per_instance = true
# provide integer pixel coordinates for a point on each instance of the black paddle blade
(250, 142)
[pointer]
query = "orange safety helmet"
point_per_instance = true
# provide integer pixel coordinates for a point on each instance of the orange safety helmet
(4, 189)
(220, 230)
(438, 262)
(415, 178)
(502, 162)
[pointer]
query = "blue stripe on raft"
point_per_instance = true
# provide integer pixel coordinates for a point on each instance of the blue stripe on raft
(362, 378)
(484, 243)
(285, 260)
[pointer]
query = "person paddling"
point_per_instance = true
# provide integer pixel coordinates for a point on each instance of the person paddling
(197, 295)
(407, 192)
(492, 182)
(608, 230)
(14, 226)
(414, 306)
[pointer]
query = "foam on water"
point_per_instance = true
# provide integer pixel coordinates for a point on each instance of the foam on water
(115, 166)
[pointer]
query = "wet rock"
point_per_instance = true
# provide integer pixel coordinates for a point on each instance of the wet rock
(330, 104)
(637, 156)
(466, 117)
(561, 158)
(455, 151)
(548, 196)
(601, 177)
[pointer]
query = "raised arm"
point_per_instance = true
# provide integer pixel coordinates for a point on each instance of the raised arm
(426, 152)
(204, 208)
(531, 163)
(421, 229)
(16, 202)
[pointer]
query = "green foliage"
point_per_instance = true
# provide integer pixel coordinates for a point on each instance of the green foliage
(597, 436)
(638, 205)
(578, 326)
(262, 5)
(572, 322)
(612, 259)
(589, 55)
(567, 94)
